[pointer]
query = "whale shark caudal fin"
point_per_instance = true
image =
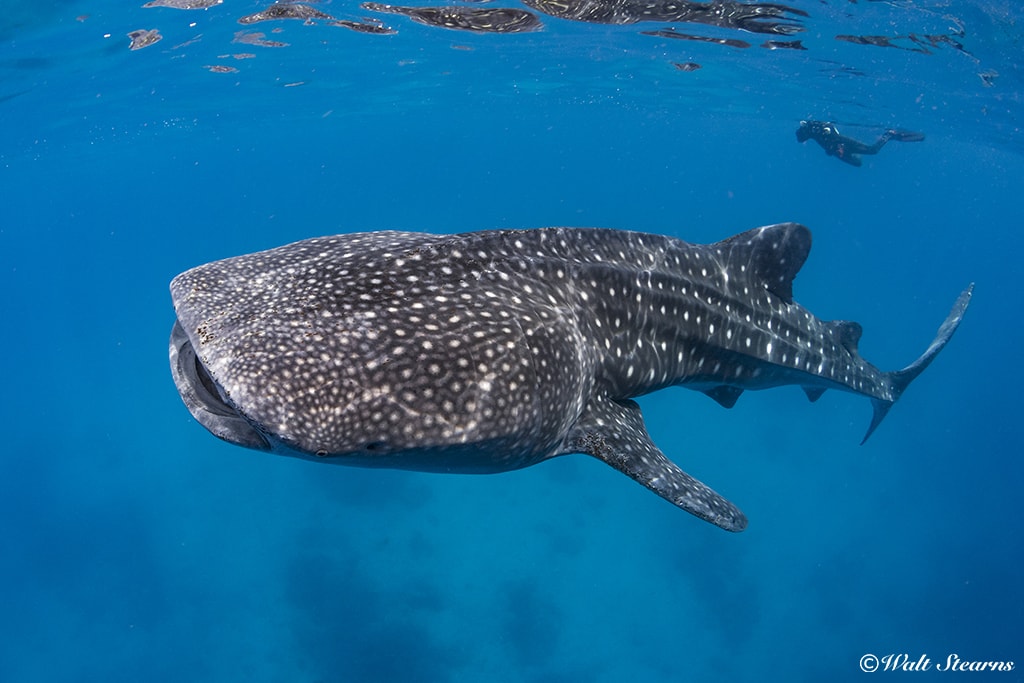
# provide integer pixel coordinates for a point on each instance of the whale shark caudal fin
(613, 431)
(899, 379)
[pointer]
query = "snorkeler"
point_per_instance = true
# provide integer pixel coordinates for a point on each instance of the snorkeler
(848, 149)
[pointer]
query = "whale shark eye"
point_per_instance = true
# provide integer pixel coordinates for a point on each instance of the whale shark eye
(376, 446)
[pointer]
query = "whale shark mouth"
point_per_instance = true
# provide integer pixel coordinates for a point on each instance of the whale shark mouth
(204, 397)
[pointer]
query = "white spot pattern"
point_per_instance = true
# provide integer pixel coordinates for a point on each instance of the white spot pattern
(480, 352)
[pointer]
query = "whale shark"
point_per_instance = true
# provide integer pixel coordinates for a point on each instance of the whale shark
(490, 351)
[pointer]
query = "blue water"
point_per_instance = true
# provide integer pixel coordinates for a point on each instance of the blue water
(136, 546)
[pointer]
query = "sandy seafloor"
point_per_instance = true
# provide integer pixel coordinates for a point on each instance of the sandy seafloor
(136, 546)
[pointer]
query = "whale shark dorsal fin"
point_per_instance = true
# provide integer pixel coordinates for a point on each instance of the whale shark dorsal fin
(848, 334)
(614, 431)
(770, 256)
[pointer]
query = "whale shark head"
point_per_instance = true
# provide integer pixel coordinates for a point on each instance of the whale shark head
(377, 349)
(205, 398)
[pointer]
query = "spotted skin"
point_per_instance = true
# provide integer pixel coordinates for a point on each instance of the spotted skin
(491, 351)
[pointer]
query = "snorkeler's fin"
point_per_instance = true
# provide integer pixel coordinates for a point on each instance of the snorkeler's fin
(905, 135)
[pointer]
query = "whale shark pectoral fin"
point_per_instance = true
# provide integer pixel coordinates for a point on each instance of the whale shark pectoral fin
(613, 431)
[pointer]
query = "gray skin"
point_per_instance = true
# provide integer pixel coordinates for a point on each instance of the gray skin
(491, 351)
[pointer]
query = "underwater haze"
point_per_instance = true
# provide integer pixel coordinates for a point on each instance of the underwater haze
(137, 142)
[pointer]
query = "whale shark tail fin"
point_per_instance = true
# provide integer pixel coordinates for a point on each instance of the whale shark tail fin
(900, 379)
